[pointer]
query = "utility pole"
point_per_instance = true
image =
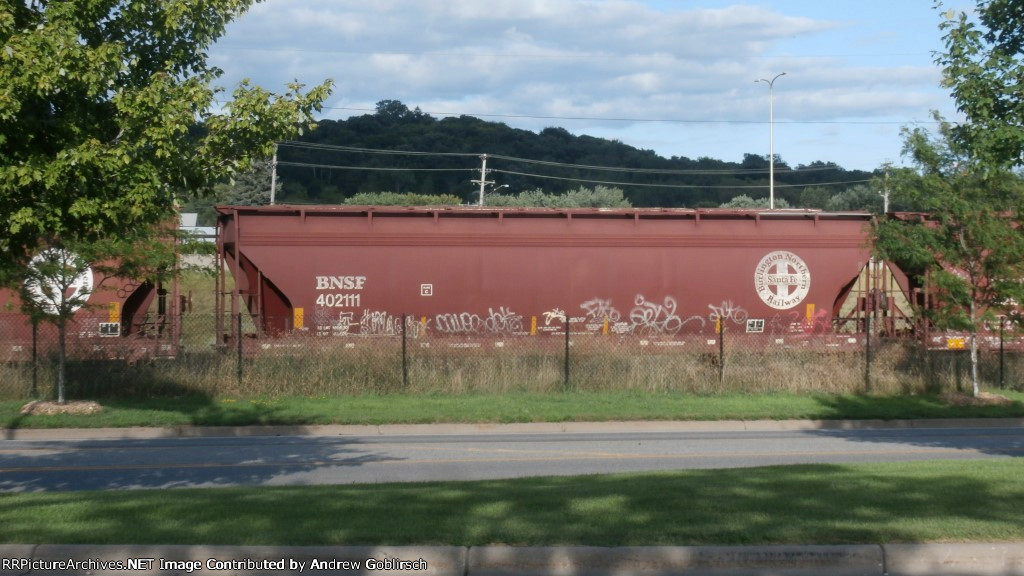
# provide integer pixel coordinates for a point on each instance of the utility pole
(483, 182)
(885, 189)
(273, 176)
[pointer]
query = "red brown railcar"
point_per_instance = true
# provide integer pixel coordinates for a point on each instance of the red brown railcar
(349, 270)
(121, 318)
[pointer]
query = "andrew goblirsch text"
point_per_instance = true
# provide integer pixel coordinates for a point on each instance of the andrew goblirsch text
(210, 564)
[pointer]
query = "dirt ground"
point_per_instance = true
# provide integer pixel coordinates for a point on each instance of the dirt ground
(50, 408)
(983, 399)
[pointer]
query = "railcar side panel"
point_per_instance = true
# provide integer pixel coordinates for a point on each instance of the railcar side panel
(356, 270)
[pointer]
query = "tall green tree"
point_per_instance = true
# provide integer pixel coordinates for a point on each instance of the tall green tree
(966, 248)
(982, 65)
(971, 245)
(108, 111)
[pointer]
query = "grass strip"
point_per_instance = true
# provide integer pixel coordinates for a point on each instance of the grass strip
(935, 501)
(505, 408)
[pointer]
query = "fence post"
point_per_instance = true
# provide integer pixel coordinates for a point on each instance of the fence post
(405, 358)
(867, 355)
(35, 359)
(1002, 356)
(721, 353)
(238, 339)
(566, 383)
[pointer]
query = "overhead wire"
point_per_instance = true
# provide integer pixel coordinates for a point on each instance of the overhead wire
(371, 168)
(695, 172)
(692, 172)
(339, 148)
(691, 186)
(570, 179)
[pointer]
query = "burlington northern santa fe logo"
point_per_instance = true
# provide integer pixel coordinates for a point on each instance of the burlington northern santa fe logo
(782, 279)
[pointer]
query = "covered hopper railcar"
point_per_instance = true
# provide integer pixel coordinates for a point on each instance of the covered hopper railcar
(349, 270)
(118, 318)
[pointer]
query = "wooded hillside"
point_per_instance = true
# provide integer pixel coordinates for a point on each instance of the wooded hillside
(407, 151)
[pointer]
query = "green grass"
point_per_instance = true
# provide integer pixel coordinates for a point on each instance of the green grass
(975, 501)
(504, 408)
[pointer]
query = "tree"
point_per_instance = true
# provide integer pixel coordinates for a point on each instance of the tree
(107, 115)
(744, 202)
(971, 246)
(59, 279)
(581, 197)
(248, 188)
(396, 199)
(58, 282)
(967, 247)
(860, 197)
(814, 197)
(982, 66)
(108, 112)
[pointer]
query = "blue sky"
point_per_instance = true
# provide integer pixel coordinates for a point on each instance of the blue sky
(676, 77)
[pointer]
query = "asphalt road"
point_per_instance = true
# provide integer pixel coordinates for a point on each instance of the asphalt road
(332, 458)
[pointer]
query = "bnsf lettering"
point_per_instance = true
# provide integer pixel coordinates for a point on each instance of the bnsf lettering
(340, 282)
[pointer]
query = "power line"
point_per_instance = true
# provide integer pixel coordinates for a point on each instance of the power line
(338, 148)
(694, 186)
(369, 168)
(570, 179)
(694, 172)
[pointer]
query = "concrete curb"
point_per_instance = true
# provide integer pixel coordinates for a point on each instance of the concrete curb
(692, 561)
(496, 429)
(866, 560)
(958, 559)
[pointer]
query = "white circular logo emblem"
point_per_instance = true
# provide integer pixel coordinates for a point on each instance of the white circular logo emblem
(53, 269)
(782, 279)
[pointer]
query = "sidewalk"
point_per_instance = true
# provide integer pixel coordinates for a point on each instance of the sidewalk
(859, 560)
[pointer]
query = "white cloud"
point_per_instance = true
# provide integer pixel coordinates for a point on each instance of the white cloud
(577, 58)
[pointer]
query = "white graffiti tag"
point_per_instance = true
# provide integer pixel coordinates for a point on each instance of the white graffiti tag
(343, 324)
(503, 321)
(464, 323)
(727, 312)
(556, 315)
(331, 323)
(649, 318)
(599, 310)
(500, 321)
(376, 323)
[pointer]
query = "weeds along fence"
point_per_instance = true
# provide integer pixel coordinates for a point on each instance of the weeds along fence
(193, 360)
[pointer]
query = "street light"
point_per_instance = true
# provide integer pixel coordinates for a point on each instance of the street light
(771, 138)
(492, 191)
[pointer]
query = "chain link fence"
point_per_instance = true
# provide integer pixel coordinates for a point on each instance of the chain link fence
(402, 354)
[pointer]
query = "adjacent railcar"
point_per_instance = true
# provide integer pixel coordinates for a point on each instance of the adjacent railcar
(349, 270)
(121, 318)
